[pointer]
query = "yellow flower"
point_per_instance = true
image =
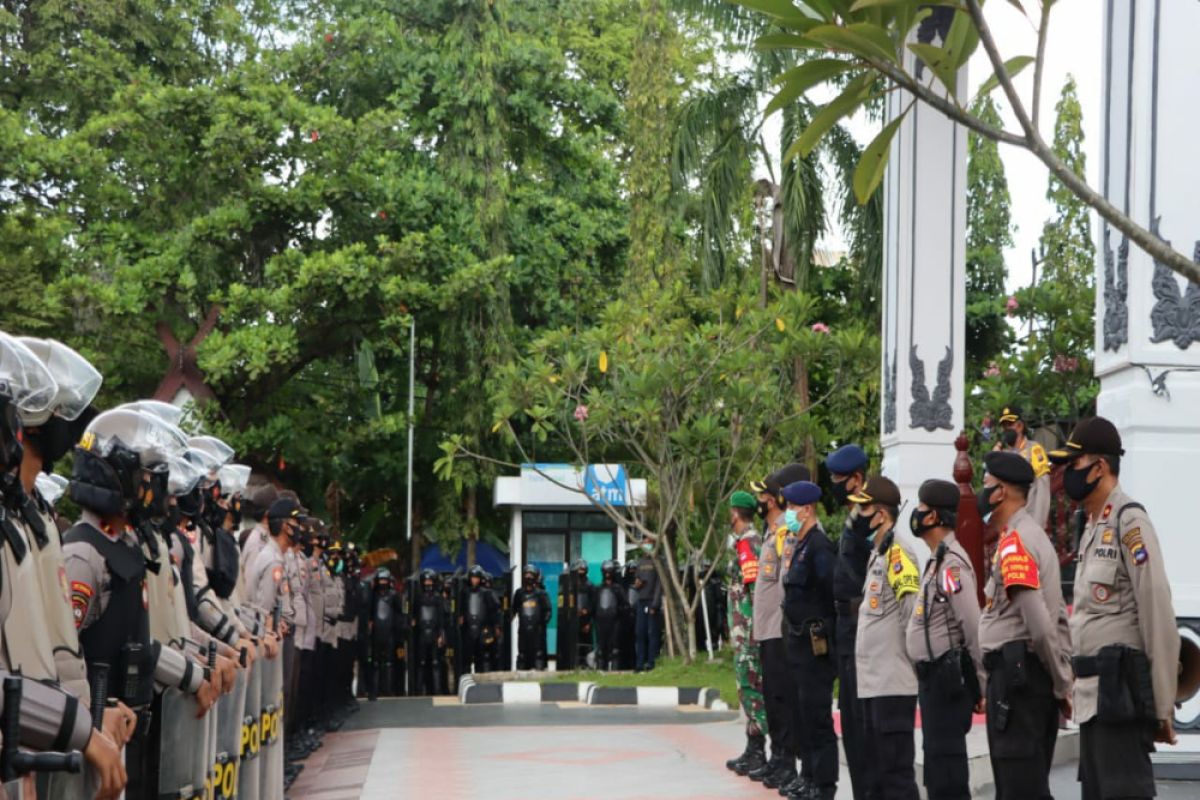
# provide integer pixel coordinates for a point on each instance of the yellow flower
(603, 361)
(779, 324)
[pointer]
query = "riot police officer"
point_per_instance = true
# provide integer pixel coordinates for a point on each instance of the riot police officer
(1023, 634)
(585, 610)
(429, 629)
(611, 606)
(479, 620)
(809, 618)
(942, 640)
(848, 473)
(386, 632)
(1126, 643)
(628, 616)
(532, 607)
(887, 685)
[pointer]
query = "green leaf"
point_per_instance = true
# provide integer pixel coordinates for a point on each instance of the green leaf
(799, 80)
(861, 39)
(1013, 67)
(938, 60)
(873, 163)
(859, 5)
(787, 13)
(784, 41)
(962, 39)
(853, 96)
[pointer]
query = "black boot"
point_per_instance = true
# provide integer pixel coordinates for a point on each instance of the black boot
(818, 792)
(767, 769)
(754, 744)
(797, 788)
(784, 774)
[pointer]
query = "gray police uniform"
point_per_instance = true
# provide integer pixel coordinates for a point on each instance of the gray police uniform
(777, 685)
(1126, 650)
(1026, 643)
(887, 686)
(942, 639)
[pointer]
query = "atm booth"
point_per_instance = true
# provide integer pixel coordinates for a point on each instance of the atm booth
(555, 520)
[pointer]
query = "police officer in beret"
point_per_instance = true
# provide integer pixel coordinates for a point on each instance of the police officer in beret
(778, 687)
(848, 473)
(1126, 643)
(1012, 437)
(1023, 634)
(809, 618)
(887, 685)
(943, 641)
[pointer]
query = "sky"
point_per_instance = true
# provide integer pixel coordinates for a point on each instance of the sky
(1073, 47)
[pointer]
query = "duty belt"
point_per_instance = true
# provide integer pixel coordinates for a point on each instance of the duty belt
(1085, 666)
(994, 659)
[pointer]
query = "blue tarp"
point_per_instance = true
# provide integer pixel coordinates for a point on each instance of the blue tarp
(488, 557)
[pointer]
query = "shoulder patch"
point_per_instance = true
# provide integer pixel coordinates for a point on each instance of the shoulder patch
(902, 573)
(1132, 540)
(951, 580)
(1017, 567)
(277, 573)
(81, 598)
(1039, 460)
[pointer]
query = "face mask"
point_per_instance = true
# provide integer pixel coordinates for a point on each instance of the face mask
(791, 521)
(917, 527)
(841, 492)
(761, 509)
(1076, 484)
(983, 501)
(51, 439)
(1009, 437)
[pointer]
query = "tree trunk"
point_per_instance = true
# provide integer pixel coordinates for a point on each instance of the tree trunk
(808, 455)
(472, 527)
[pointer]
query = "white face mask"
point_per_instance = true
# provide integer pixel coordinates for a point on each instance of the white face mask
(731, 541)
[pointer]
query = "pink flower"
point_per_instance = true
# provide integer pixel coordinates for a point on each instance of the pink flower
(1065, 363)
(820, 327)
(314, 135)
(581, 413)
(1012, 305)
(992, 371)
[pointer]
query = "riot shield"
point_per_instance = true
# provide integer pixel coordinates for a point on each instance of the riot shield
(181, 767)
(249, 738)
(412, 589)
(228, 735)
(568, 622)
(271, 730)
(453, 655)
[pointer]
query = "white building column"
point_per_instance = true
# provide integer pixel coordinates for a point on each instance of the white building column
(1147, 319)
(924, 293)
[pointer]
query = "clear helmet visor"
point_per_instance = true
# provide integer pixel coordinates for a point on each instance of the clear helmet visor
(184, 476)
(234, 478)
(78, 381)
(220, 451)
(51, 487)
(165, 411)
(153, 440)
(24, 379)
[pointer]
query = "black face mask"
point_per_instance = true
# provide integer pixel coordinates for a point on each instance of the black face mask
(840, 492)
(917, 527)
(174, 516)
(51, 440)
(1076, 484)
(983, 500)
(1009, 437)
(761, 509)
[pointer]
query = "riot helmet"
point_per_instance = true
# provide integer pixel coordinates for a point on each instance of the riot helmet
(112, 457)
(383, 580)
(531, 575)
(476, 572)
(609, 569)
(27, 389)
(580, 565)
(52, 432)
(429, 580)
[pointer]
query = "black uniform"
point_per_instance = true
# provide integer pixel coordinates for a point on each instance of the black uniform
(386, 631)
(849, 575)
(479, 618)
(628, 618)
(429, 632)
(532, 607)
(809, 619)
(612, 604)
(363, 642)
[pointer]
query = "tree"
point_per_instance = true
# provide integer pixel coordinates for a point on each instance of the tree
(989, 232)
(867, 39)
(693, 391)
(1050, 372)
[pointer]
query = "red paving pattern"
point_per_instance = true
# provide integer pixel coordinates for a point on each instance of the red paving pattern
(338, 770)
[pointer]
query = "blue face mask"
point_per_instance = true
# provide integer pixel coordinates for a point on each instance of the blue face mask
(791, 521)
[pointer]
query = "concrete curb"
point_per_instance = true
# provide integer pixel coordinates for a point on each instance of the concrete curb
(529, 692)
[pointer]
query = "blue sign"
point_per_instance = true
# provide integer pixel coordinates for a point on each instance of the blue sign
(611, 492)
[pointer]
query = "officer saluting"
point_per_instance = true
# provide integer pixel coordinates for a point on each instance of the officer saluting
(1024, 636)
(887, 686)
(943, 641)
(1123, 625)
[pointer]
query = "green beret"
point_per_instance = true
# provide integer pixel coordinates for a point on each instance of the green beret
(742, 499)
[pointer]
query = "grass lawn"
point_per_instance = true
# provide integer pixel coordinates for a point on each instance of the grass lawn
(715, 674)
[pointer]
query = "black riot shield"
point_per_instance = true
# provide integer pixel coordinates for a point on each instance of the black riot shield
(503, 589)
(412, 592)
(568, 622)
(453, 656)
(380, 673)
(628, 622)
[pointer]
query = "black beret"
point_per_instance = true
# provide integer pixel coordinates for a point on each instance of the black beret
(1094, 435)
(284, 508)
(878, 490)
(784, 476)
(939, 494)
(1008, 466)
(802, 493)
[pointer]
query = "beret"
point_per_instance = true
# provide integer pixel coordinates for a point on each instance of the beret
(743, 500)
(1010, 467)
(284, 508)
(878, 490)
(938, 494)
(802, 493)
(1094, 435)
(846, 460)
(785, 475)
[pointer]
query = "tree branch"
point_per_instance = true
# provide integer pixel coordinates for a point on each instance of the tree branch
(1040, 61)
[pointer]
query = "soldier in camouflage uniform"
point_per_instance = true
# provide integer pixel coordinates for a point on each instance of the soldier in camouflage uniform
(744, 541)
